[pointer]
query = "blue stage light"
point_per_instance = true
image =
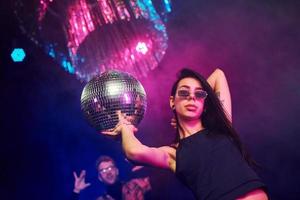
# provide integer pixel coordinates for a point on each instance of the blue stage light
(18, 55)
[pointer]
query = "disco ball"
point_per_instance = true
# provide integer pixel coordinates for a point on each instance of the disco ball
(110, 92)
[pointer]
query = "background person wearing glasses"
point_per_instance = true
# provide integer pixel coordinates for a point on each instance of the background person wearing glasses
(207, 156)
(108, 174)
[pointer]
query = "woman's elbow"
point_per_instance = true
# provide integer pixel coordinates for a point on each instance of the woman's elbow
(134, 153)
(219, 72)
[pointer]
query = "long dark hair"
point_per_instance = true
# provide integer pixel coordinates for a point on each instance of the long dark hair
(214, 117)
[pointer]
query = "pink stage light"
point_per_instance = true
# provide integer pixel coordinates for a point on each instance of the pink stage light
(141, 47)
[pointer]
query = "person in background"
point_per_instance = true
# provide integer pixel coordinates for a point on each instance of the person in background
(108, 174)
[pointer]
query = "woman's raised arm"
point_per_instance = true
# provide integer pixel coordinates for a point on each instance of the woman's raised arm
(218, 82)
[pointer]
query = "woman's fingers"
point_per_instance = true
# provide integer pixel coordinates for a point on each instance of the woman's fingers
(121, 116)
(124, 120)
(109, 133)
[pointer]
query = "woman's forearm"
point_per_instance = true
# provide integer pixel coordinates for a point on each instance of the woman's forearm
(219, 84)
(131, 145)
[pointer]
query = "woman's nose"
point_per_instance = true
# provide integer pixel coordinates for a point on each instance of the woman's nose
(191, 97)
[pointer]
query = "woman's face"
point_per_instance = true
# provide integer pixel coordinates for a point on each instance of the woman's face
(189, 99)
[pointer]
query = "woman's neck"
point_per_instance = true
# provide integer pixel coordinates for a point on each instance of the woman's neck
(189, 127)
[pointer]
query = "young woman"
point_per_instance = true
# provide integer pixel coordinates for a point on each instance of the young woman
(207, 156)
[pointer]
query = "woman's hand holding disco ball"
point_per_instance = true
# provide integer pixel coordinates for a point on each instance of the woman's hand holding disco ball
(125, 123)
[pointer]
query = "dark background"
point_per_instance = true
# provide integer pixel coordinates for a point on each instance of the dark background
(44, 136)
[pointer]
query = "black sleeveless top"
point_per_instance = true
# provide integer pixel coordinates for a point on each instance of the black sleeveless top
(213, 167)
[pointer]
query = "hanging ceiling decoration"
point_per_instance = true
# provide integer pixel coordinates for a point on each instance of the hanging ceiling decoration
(88, 37)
